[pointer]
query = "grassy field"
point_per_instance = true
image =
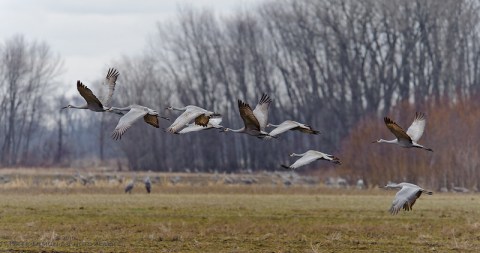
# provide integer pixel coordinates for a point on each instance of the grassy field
(183, 221)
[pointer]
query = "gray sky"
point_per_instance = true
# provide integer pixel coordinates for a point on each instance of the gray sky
(90, 34)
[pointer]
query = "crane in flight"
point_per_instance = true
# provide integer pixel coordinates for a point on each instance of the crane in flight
(291, 125)
(213, 122)
(255, 121)
(406, 196)
(133, 113)
(190, 112)
(92, 102)
(407, 139)
(311, 156)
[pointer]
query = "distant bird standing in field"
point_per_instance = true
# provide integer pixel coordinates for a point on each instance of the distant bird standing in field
(190, 112)
(291, 125)
(255, 121)
(134, 113)
(213, 122)
(406, 139)
(93, 103)
(148, 184)
(130, 185)
(406, 197)
(310, 156)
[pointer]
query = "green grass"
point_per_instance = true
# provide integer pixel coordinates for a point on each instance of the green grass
(186, 222)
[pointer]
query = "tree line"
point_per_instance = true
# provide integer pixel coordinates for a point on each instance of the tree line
(330, 64)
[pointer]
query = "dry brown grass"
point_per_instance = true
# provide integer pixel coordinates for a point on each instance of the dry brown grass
(201, 215)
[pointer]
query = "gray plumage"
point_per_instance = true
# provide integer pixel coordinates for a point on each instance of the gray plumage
(311, 156)
(190, 113)
(148, 184)
(408, 139)
(213, 122)
(291, 125)
(255, 121)
(406, 196)
(129, 187)
(93, 103)
(134, 113)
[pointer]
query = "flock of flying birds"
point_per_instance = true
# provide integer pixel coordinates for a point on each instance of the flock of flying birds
(255, 121)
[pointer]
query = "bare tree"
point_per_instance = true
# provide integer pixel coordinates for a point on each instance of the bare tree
(27, 72)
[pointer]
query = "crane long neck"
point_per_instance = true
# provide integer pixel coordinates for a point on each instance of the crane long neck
(393, 186)
(237, 130)
(294, 154)
(394, 141)
(123, 109)
(179, 108)
(85, 106)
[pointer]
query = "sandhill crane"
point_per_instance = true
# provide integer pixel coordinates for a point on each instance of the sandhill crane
(407, 139)
(254, 121)
(406, 197)
(190, 112)
(459, 188)
(80, 177)
(148, 184)
(93, 103)
(130, 185)
(174, 180)
(310, 156)
(291, 125)
(213, 122)
(134, 113)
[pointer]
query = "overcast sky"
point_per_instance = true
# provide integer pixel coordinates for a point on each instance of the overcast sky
(89, 34)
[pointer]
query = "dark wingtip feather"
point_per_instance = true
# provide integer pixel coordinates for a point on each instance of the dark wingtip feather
(419, 115)
(116, 136)
(80, 84)
(387, 120)
(285, 166)
(112, 72)
(265, 99)
(336, 160)
(241, 103)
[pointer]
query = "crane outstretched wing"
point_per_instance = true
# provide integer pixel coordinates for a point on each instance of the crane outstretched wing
(405, 198)
(396, 129)
(110, 82)
(248, 116)
(304, 160)
(88, 95)
(261, 111)
(283, 127)
(213, 122)
(127, 121)
(184, 118)
(415, 131)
